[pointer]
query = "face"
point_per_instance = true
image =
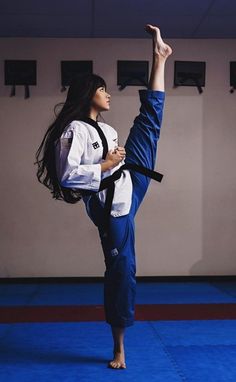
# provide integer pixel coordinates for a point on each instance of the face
(101, 99)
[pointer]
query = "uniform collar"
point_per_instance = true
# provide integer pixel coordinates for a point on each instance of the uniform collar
(90, 121)
(100, 132)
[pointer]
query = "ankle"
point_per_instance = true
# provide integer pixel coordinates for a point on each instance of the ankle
(118, 347)
(159, 58)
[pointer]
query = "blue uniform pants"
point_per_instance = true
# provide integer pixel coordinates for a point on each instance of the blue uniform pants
(119, 247)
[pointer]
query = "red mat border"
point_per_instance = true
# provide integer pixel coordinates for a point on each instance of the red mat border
(143, 312)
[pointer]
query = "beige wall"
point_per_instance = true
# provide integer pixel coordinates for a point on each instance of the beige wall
(185, 225)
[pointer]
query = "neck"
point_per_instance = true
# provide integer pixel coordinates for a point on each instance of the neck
(93, 115)
(94, 119)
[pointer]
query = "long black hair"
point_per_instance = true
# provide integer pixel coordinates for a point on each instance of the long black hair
(77, 106)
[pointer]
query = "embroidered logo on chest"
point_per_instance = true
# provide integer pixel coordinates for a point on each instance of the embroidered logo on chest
(95, 145)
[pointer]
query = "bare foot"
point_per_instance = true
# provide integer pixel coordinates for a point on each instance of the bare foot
(160, 48)
(119, 359)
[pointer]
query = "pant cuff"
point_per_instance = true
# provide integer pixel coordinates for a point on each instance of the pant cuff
(150, 93)
(121, 324)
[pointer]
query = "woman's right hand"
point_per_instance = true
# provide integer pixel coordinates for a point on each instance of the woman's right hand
(113, 157)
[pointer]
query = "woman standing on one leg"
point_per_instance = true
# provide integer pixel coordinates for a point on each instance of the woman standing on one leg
(77, 166)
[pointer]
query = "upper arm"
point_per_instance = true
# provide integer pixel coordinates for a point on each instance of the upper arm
(74, 143)
(71, 149)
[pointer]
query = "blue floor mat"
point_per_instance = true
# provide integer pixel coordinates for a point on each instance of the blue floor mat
(156, 351)
(92, 293)
(80, 352)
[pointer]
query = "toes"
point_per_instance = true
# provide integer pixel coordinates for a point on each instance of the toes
(113, 364)
(117, 365)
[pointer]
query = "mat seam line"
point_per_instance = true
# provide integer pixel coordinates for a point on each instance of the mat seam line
(172, 360)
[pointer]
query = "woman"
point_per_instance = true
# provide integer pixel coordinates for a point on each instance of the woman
(82, 160)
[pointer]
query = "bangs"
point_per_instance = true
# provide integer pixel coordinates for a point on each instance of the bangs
(100, 83)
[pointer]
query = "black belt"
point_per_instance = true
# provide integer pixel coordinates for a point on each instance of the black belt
(109, 183)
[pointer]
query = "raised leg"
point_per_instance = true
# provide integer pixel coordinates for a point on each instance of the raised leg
(141, 144)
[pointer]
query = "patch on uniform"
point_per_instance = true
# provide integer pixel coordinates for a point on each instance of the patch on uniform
(114, 252)
(95, 145)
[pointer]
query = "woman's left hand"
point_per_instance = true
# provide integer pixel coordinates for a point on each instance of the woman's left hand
(120, 149)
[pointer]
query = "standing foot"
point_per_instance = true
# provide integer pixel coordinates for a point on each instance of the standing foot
(160, 47)
(118, 361)
(119, 358)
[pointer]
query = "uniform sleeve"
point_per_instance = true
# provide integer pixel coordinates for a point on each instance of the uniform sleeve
(73, 173)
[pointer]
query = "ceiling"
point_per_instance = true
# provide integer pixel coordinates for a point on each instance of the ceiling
(118, 19)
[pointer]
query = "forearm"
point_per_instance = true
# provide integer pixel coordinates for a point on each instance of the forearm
(106, 165)
(82, 176)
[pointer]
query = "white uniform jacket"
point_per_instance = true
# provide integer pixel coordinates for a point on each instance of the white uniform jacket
(79, 153)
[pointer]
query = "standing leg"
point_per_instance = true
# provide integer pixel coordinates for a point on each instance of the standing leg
(119, 281)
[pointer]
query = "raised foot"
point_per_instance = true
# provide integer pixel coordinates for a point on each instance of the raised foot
(160, 47)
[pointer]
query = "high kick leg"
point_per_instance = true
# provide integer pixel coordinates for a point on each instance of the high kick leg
(142, 141)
